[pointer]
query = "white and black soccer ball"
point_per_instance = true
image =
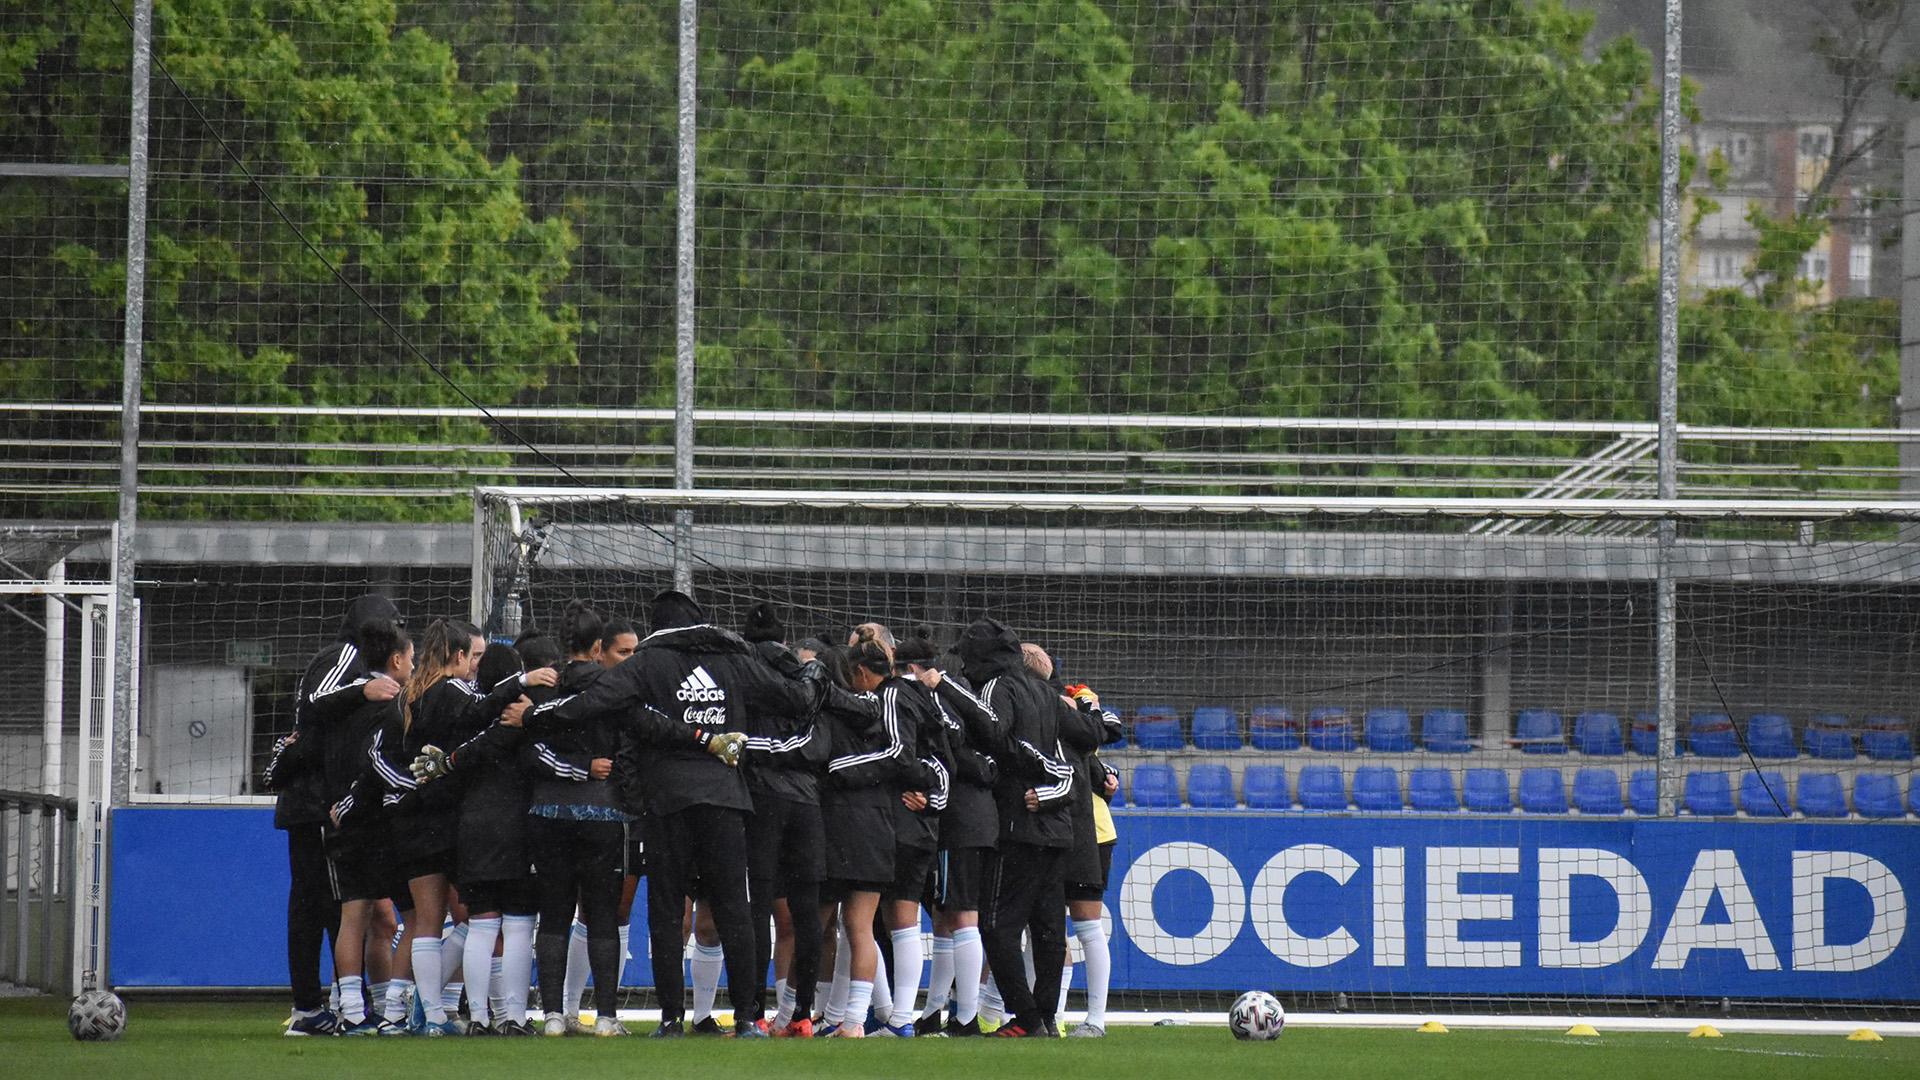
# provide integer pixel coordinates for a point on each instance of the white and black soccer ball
(97, 1016)
(1256, 1017)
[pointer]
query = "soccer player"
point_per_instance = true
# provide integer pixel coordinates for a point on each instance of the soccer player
(858, 805)
(688, 692)
(359, 861)
(336, 682)
(968, 830)
(924, 770)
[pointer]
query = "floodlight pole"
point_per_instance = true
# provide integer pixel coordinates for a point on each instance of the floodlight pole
(126, 642)
(683, 344)
(1666, 599)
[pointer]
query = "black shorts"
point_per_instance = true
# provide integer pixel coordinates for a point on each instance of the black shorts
(418, 866)
(360, 867)
(636, 851)
(912, 874)
(786, 845)
(1087, 890)
(836, 890)
(960, 879)
(506, 897)
(859, 843)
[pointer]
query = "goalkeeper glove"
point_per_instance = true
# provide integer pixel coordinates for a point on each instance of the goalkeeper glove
(432, 764)
(726, 745)
(1083, 696)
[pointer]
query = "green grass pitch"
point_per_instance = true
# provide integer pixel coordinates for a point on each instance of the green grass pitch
(241, 1040)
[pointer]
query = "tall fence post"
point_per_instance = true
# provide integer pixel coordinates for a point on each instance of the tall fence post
(686, 190)
(1666, 599)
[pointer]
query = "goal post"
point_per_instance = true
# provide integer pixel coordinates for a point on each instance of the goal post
(1390, 750)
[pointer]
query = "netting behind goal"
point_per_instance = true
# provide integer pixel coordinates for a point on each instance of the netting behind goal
(1385, 757)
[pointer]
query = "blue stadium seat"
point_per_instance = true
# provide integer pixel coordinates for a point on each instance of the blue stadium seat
(1598, 733)
(1444, 731)
(1712, 735)
(1913, 794)
(1886, 738)
(1485, 791)
(1216, 728)
(1157, 727)
(1829, 738)
(1877, 795)
(1764, 794)
(1542, 791)
(1330, 729)
(1540, 731)
(1322, 788)
(1597, 791)
(1210, 787)
(1770, 735)
(1432, 789)
(1265, 788)
(1274, 728)
(1389, 730)
(1822, 795)
(1376, 787)
(1155, 787)
(1708, 794)
(1643, 792)
(1644, 734)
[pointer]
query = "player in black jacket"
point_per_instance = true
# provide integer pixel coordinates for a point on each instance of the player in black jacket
(969, 829)
(862, 788)
(925, 773)
(1033, 795)
(336, 681)
(688, 693)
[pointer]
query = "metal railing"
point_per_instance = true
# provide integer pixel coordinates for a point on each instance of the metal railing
(36, 889)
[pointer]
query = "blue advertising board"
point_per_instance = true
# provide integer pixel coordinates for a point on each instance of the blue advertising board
(1295, 902)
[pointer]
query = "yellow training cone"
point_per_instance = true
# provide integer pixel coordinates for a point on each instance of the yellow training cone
(1865, 1035)
(1582, 1029)
(1433, 1027)
(1704, 1031)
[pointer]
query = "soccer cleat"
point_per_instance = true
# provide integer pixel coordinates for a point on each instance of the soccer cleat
(796, 1029)
(928, 1025)
(555, 1027)
(1049, 1029)
(394, 1027)
(607, 1027)
(749, 1031)
(477, 1028)
(1013, 1031)
(668, 1029)
(317, 1022)
(874, 1025)
(445, 1027)
(578, 1026)
(706, 1025)
(1088, 1031)
(899, 1031)
(822, 1029)
(968, 1030)
(370, 1026)
(416, 1013)
(847, 1029)
(518, 1029)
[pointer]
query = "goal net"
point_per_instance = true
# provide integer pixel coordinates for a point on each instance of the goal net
(1386, 751)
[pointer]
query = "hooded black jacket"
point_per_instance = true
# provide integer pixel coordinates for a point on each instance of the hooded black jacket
(974, 736)
(1030, 712)
(787, 759)
(926, 761)
(327, 694)
(558, 756)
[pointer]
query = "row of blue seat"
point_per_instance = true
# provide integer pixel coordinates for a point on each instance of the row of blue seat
(1541, 791)
(1536, 731)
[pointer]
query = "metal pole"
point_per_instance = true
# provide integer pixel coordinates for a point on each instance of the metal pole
(54, 685)
(125, 645)
(1666, 599)
(683, 359)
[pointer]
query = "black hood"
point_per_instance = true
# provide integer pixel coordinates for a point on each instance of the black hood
(671, 609)
(365, 609)
(989, 649)
(700, 639)
(763, 624)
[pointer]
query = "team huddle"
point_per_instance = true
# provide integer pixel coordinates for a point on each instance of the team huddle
(493, 809)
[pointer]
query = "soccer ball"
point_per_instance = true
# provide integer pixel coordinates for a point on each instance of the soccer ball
(1257, 1016)
(97, 1016)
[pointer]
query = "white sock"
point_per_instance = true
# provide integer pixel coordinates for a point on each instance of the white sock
(453, 950)
(620, 970)
(477, 955)
(939, 976)
(353, 1003)
(333, 998)
(426, 977)
(516, 964)
(882, 992)
(395, 1007)
(859, 996)
(835, 1009)
(496, 993)
(705, 966)
(969, 960)
(993, 1010)
(907, 967)
(376, 1004)
(785, 999)
(1066, 980)
(1092, 935)
(578, 969)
